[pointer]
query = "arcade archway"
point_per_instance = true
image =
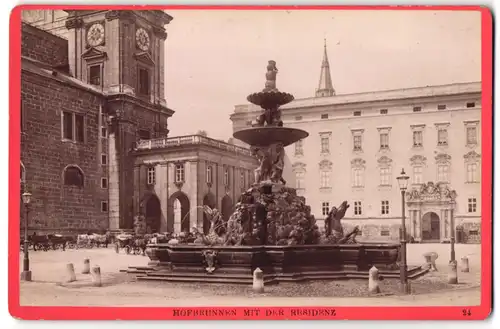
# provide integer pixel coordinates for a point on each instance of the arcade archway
(226, 207)
(153, 214)
(208, 200)
(178, 213)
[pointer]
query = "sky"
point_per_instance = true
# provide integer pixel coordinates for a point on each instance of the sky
(215, 59)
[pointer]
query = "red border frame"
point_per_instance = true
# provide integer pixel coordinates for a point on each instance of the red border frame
(157, 313)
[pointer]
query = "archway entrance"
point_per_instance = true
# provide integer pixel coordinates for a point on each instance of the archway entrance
(431, 228)
(208, 200)
(226, 207)
(178, 213)
(153, 214)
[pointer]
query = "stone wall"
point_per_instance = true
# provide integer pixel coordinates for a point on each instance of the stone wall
(43, 46)
(45, 155)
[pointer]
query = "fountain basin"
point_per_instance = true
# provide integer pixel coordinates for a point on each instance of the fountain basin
(235, 264)
(264, 136)
(270, 98)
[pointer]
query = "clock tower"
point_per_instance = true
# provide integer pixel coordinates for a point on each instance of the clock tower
(122, 53)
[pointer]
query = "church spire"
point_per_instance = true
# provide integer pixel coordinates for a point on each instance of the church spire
(325, 86)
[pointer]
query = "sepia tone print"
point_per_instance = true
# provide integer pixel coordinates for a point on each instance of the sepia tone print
(340, 166)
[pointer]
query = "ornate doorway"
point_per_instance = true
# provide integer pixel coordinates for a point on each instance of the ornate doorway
(227, 207)
(429, 208)
(431, 227)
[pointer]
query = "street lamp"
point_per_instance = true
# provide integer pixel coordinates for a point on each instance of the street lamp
(403, 185)
(26, 273)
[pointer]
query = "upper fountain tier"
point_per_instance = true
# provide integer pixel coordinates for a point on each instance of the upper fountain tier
(268, 128)
(270, 97)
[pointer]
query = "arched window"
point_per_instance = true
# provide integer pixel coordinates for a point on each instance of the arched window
(73, 176)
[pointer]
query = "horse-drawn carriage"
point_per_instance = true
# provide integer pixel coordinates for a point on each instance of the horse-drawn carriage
(92, 240)
(46, 242)
(135, 244)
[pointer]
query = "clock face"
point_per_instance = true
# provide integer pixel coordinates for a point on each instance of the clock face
(95, 35)
(142, 38)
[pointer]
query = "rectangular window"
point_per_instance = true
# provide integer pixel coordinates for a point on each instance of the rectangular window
(298, 148)
(471, 104)
(471, 136)
(104, 159)
(358, 180)
(384, 140)
(442, 137)
(357, 143)
(472, 173)
(418, 175)
(385, 232)
(298, 118)
(385, 207)
(95, 75)
(104, 182)
(443, 170)
(324, 116)
(151, 175)
(325, 208)
(442, 107)
(104, 206)
(104, 126)
(73, 126)
(357, 113)
(226, 176)
(357, 208)
(471, 205)
(23, 117)
(299, 180)
(144, 134)
(325, 144)
(209, 178)
(144, 82)
(385, 176)
(384, 111)
(179, 173)
(417, 109)
(325, 179)
(417, 138)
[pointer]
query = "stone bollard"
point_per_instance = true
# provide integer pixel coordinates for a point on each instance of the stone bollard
(465, 264)
(373, 281)
(452, 272)
(430, 261)
(258, 280)
(70, 273)
(96, 276)
(86, 266)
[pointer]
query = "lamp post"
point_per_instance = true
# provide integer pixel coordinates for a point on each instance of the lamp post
(26, 273)
(452, 238)
(403, 184)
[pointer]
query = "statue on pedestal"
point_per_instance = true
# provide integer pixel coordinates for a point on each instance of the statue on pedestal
(271, 73)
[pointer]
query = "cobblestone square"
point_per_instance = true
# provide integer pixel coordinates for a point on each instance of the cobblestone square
(121, 289)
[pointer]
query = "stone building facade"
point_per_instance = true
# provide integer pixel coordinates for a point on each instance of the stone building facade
(359, 143)
(88, 95)
(175, 177)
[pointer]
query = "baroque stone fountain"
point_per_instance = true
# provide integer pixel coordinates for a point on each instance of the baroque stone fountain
(271, 228)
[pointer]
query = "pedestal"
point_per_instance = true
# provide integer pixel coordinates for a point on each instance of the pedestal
(26, 276)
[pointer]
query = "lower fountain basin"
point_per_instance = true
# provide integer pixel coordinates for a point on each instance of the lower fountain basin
(235, 264)
(263, 136)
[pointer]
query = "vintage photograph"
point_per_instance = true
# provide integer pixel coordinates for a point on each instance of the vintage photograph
(189, 158)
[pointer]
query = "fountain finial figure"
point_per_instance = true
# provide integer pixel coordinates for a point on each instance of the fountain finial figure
(271, 73)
